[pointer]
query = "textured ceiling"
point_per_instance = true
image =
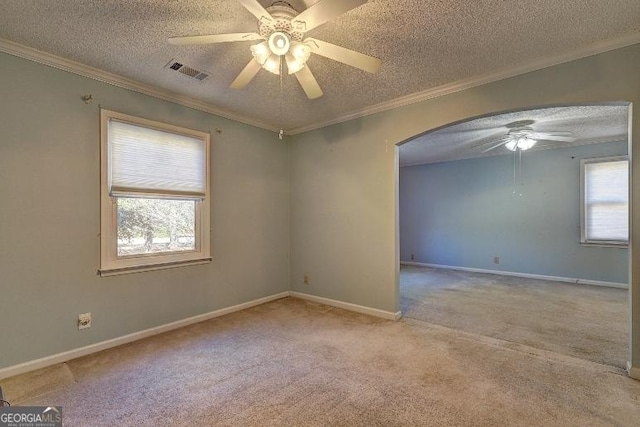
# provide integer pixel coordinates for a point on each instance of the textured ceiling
(588, 124)
(423, 44)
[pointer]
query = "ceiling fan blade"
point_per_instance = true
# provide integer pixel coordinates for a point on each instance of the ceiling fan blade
(246, 75)
(544, 137)
(323, 11)
(214, 38)
(309, 83)
(499, 144)
(554, 136)
(256, 9)
(344, 55)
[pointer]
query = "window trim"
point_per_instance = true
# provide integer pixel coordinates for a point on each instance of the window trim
(110, 263)
(583, 239)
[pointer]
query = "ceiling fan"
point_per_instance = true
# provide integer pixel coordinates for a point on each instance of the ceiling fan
(521, 137)
(281, 32)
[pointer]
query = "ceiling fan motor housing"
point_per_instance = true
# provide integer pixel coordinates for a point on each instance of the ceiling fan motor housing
(522, 132)
(282, 14)
(521, 138)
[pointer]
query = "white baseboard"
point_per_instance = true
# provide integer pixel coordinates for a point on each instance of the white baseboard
(94, 348)
(525, 275)
(633, 372)
(348, 306)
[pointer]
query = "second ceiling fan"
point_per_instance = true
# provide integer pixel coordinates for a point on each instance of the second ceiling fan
(281, 30)
(521, 137)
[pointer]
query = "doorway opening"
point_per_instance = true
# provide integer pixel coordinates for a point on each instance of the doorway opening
(491, 235)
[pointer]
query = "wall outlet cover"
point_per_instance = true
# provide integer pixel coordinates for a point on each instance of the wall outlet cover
(84, 321)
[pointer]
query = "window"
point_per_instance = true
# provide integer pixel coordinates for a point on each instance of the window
(605, 201)
(154, 195)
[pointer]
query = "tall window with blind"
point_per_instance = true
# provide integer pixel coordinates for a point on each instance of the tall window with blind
(154, 195)
(605, 201)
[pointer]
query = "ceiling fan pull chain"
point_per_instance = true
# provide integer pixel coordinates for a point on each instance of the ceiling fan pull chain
(515, 185)
(520, 172)
(281, 134)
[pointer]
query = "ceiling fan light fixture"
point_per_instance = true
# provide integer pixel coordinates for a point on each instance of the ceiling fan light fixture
(279, 43)
(520, 143)
(293, 64)
(272, 64)
(301, 51)
(261, 52)
(526, 143)
(511, 145)
(297, 57)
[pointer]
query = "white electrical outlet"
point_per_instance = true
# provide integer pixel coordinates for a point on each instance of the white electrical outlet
(84, 321)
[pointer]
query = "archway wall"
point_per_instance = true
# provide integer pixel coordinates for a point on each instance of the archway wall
(344, 183)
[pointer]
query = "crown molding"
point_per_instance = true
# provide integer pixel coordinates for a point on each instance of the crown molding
(74, 67)
(494, 76)
(60, 63)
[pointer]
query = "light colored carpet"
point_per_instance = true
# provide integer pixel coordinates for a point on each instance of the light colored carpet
(295, 363)
(588, 322)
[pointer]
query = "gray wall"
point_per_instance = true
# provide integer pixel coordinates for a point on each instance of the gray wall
(344, 179)
(50, 212)
(463, 213)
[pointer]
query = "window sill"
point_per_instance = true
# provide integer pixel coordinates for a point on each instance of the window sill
(605, 245)
(142, 268)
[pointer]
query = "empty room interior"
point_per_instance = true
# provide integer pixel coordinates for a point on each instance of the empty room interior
(320, 212)
(508, 243)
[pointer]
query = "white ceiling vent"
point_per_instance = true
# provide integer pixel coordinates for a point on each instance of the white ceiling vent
(186, 70)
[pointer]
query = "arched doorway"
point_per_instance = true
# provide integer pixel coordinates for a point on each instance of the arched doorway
(481, 209)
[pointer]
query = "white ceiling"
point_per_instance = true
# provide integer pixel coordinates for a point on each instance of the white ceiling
(423, 44)
(589, 125)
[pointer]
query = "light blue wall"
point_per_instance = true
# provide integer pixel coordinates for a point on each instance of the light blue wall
(340, 228)
(50, 217)
(340, 220)
(463, 213)
(345, 228)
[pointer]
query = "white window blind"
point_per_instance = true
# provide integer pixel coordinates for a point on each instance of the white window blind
(150, 161)
(606, 201)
